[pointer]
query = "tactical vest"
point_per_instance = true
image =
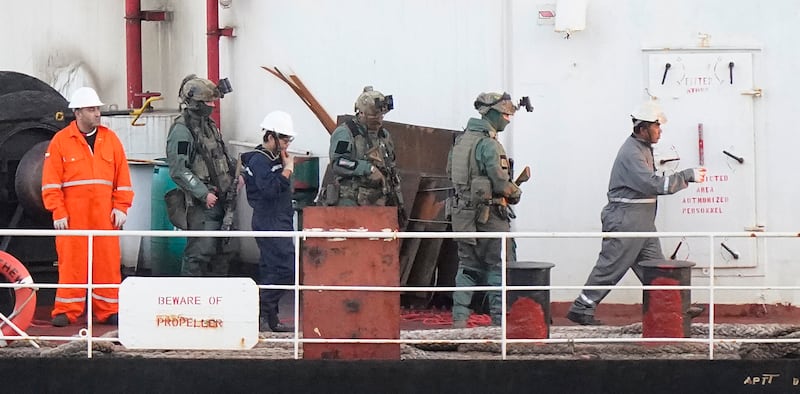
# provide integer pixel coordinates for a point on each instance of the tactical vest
(464, 171)
(208, 159)
(363, 144)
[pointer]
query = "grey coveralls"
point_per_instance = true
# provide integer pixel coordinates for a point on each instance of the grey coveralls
(632, 190)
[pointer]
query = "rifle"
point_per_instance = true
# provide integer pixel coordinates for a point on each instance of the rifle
(230, 193)
(391, 181)
(523, 177)
(230, 198)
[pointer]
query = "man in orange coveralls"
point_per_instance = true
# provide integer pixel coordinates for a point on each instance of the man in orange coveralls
(87, 185)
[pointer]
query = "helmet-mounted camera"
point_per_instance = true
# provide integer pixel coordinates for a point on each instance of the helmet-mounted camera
(224, 87)
(385, 104)
(525, 102)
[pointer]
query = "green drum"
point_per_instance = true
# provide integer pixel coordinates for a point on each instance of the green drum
(166, 252)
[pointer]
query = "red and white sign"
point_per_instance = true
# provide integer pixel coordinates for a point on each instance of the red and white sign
(188, 313)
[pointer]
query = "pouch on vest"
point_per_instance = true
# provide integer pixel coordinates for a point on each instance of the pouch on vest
(463, 220)
(483, 214)
(176, 208)
(480, 191)
(331, 194)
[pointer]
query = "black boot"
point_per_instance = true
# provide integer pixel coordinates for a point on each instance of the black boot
(694, 311)
(584, 320)
(272, 323)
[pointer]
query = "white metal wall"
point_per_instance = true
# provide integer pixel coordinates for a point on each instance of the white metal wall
(435, 57)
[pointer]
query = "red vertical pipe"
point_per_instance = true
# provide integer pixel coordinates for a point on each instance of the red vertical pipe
(133, 51)
(212, 49)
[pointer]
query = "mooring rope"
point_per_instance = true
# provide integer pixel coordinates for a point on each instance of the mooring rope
(640, 349)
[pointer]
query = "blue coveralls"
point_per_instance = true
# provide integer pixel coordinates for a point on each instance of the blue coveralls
(270, 195)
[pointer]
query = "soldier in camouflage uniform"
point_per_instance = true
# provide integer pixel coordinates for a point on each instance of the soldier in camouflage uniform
(479, 169)
(362, 156)
(201, 167)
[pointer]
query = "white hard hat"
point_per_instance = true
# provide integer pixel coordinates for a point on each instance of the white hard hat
(649, 111)
(84, 97)
(279, 122)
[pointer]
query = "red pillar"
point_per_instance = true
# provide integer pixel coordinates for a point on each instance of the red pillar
(212, 49)
(133, 51)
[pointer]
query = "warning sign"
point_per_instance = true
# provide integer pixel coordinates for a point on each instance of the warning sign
(188, 313)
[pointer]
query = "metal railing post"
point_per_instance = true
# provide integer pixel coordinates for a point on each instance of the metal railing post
(504, 295)
(89, 295)
(711, 281)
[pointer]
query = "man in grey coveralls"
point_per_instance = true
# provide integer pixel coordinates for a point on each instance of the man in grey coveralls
(632, 190)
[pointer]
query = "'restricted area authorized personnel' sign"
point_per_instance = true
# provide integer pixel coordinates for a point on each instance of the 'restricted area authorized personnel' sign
(188, 313)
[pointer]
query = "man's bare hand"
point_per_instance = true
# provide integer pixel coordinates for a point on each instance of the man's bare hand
(211, 200)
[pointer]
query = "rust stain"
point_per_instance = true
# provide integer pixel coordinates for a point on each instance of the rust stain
(352, 306)
(315, 255)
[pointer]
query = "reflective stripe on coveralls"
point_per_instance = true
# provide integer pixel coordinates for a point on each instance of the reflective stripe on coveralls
(634, 200)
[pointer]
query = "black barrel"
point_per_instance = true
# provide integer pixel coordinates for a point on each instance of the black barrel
(528, 310)
(664, 311)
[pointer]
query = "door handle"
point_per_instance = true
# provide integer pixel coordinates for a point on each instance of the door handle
(757, 92)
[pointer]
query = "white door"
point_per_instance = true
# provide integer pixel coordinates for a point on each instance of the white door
(709, 123)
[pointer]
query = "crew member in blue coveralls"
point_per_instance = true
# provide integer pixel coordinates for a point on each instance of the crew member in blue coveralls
(267, 172)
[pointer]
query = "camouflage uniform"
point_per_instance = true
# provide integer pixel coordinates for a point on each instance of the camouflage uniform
(479, 169)
(361, 152)
(199, 164)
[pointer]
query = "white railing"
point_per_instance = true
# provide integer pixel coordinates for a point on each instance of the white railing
(358, 233)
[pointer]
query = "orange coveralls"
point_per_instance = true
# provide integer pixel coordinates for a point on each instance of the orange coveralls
(85, 186)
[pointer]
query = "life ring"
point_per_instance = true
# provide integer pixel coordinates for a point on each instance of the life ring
(25, 297)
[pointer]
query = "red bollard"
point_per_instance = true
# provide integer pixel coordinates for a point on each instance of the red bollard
(664, 311)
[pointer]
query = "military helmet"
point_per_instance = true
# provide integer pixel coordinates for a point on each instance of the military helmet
(501, 102)
(373, 102)
(198, 89)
